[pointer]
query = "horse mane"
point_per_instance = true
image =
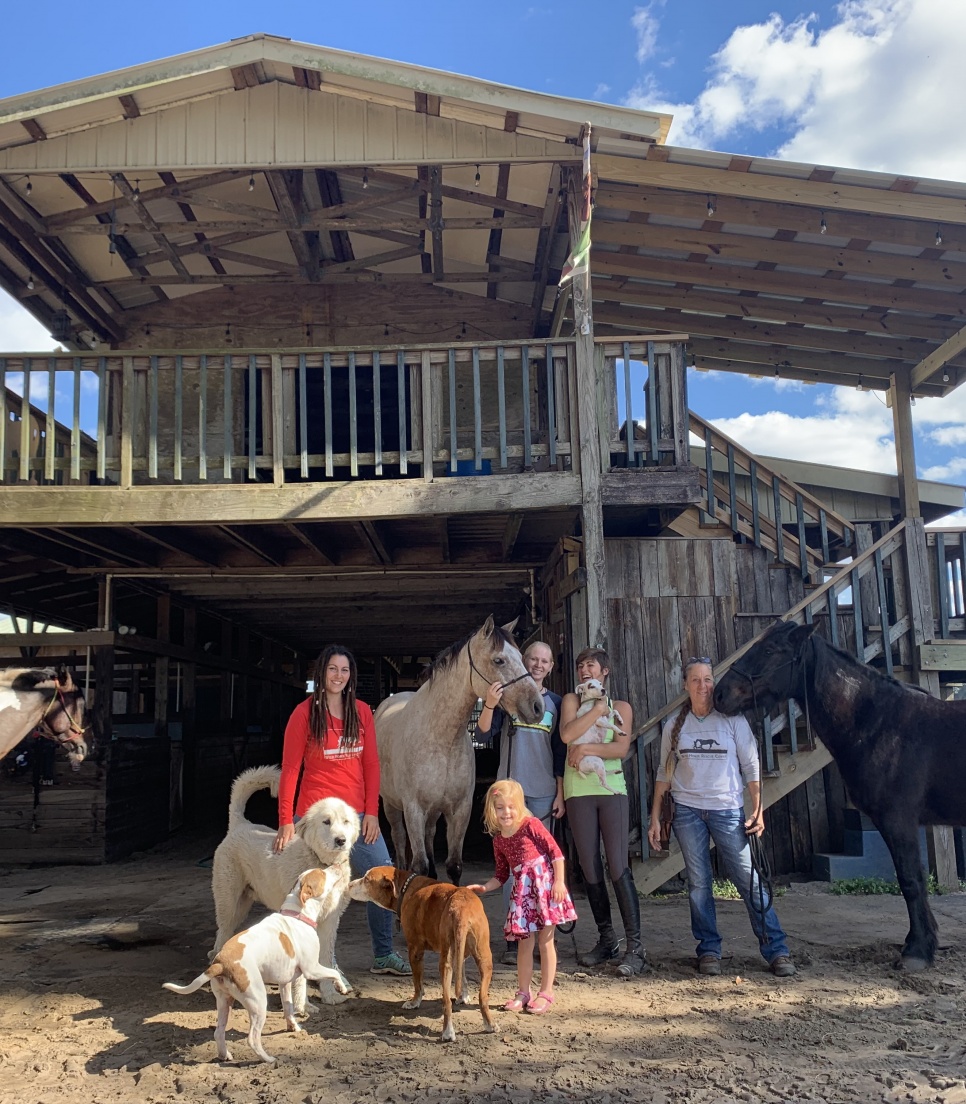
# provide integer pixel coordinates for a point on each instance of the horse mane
(449, 655)
(872, 673)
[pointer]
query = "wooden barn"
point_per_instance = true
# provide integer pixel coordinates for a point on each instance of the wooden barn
(320, 384)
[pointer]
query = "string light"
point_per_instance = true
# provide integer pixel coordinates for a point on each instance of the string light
(712, 206)
(945, 376)
(939, 236)
(136, 194)
(365, 179)
(912, 400)
(823, 225)
(859, 386)
(777, 373)
(29, 187)
(228, 331)
(463, 330)
(251, 183)
(30, 281)
(385, 329)
(476, 179)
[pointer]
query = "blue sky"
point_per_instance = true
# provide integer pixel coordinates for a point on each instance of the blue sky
(874, 84)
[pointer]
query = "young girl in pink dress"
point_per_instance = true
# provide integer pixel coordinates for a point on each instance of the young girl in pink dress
(525, 850)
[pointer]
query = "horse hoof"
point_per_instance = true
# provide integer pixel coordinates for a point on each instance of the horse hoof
(913, 965)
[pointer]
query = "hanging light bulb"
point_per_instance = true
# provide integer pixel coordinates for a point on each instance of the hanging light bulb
(30, 281)
(712, 206)
(939, 236)
(912, 400)
(385, 329)
(859, 386)
(29, 187)
(111, 242)
(463, 330)
(945, 376)
(365, 179)
(251, 183)
(777, 373)
(136, 194)
(823, 225)
(476, 179)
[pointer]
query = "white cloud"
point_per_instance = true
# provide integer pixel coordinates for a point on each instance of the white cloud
(646, 26)
(20, 331)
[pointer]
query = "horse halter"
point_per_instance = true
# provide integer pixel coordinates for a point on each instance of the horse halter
(798, 657)
(477, 671)
(76, 731)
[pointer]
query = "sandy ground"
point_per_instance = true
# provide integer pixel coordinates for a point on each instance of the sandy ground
(83, 1018)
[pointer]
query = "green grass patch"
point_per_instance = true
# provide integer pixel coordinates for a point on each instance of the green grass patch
(870, 887)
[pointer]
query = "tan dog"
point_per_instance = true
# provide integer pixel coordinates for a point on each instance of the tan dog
(589, 692)
(435, 916)
(275, 951)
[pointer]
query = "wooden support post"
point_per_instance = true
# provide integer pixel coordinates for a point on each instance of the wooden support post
(189, 731)
(941, 847)
(103, 711)
(900, 395)
(591, 470)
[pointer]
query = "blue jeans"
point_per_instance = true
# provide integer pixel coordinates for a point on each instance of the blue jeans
(542, 808)
(694, 830)
(362, 858)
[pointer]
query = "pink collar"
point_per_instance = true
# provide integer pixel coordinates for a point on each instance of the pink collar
(299, 916)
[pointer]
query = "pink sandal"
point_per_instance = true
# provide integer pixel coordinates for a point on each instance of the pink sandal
(547, 998)
(520, 1002)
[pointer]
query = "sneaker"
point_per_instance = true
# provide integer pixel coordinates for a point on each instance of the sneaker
(710, 964)
(391, 963)
(782, 966)
(509, 956)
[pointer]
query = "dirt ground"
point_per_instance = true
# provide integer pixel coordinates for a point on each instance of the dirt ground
(83, 1018)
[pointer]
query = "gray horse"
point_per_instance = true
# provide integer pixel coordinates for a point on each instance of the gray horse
(425, 754)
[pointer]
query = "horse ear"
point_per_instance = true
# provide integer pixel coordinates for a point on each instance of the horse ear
(487, 629)
(801, 633)
(510, 626)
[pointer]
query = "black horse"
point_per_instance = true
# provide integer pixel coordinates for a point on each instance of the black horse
(902, 752)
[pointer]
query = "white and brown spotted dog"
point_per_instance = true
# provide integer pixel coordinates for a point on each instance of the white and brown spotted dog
(590, 692)
(275, 951)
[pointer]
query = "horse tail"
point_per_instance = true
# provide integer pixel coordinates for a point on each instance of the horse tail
(215, 970)
(246, 784)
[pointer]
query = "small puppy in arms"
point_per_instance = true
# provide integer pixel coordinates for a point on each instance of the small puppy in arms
(435, 916)
(272, 952)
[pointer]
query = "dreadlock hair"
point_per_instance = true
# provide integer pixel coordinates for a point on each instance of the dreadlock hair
(319, 712)
(672, 754)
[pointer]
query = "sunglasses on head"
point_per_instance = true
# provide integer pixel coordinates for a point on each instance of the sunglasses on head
(692, 660)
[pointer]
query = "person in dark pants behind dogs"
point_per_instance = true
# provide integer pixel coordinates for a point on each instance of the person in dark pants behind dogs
(597, 815)
(530, 753)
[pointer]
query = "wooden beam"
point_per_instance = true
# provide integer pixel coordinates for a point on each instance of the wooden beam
(298, 532)
(652, 487)
(34, 129)
(541, 262)
(190, 216)
(129, 106)
(465, 195)
(363, 277)
(949, 655)
(822, 195)
(321, 221)
(373, 537)
(286, 190)
(496, 236)
(148, 223)
(901, 395)
(510, 534)
(931, 365)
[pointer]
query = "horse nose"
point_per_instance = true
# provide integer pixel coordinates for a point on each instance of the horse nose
(340, 841)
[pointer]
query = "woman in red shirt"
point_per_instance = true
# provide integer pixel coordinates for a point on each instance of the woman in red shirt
(331, 739)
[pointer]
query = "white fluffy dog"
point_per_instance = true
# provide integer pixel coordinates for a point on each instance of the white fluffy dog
(589, 692)
(245, 869)
(275, 951)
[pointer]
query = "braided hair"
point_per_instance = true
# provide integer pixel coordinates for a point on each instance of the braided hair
(319, 711)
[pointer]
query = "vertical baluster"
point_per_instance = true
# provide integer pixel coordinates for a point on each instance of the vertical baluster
(303, 419)
(353, 418)
(629, 408)
(802, 546)
(101, 417)
(942, 586)
(653, 408)
(178, 416)
(252, 410)
(228, 420)
(25, 421)
(453, 463)
(477, 414)
(957, 588)
(962, 570)
(278, 420)
(501, 400)
(823, 527)
(74, 424)
(552, 412)
(779, 529)
(792, 727)
(153, 419)
(833, 617)
(203, 416)
(708, 467)
(327, 404)
(525, 372)
(50, 426)
(3, 418)
(732, 488)
(128, 417)
(767, 746)
(857, 614)
(755, 511)
(883, 611)
(401, 400)
(377, 408)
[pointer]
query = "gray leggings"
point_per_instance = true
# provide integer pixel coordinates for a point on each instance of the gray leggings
(600, 818)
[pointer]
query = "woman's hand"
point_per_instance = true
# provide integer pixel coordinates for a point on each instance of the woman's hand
(755, 824)
(559, 807)
(480, 889)
(494, 695)
(559, 891)
(283, 837)
(576, 752)
(654, 833)
(370, 828)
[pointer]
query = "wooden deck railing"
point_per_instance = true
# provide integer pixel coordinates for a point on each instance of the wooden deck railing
(949, 574)
(263, 415)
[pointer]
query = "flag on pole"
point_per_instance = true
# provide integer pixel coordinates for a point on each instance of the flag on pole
(577, 264)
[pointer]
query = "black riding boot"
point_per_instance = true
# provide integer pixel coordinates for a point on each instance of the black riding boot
(630, 908)
(607, 946)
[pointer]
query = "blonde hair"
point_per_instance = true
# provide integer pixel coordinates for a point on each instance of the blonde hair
(509, 790)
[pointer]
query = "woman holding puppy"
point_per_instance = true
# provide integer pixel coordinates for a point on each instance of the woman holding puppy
(331, 739)
(598, 815)
(524, 848)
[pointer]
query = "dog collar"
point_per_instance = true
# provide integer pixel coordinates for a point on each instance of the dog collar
(402, 893)
(299, 916)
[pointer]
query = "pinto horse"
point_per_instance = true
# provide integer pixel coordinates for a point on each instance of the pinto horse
(901, 752)
(426, 759)
(44, 699)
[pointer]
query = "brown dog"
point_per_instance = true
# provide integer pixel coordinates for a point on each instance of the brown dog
(440, 917)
